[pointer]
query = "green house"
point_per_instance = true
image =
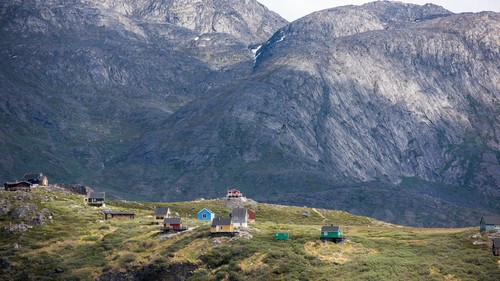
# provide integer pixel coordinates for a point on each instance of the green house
(331, 233)
(488, 223)
(281, 236)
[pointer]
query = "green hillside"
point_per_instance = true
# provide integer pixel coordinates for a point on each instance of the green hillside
(51, 234)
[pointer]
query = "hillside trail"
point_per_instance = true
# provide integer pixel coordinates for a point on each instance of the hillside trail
(320, 214)
(166, 236)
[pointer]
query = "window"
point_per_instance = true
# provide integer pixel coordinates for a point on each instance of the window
(204, 216)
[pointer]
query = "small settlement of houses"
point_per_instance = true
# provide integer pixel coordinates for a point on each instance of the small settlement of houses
(220, 226)
(28, 181)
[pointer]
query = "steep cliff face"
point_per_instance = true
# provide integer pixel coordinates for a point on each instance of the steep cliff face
(81, 80)
(342, 107)
(388, 110)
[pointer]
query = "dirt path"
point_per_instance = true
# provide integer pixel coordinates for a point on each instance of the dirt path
(320, 214)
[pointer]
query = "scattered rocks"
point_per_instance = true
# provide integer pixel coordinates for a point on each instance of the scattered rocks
(16, 229)
(59, 270)
(306, 214)
(4, 207)
(25, 211)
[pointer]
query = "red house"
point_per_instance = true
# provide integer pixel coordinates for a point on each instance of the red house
(174, 224)
(251, 215)
(233, 193)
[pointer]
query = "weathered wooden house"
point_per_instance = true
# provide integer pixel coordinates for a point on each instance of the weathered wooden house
(234, 193)
(161, 213)
(108, 214)
(36, 179)
(281, 236)
(206, 215)
(174, 224)
(95, 199)
(331, 233)
(18, 185)
(239, 217)
(488, 223)
(495, 246)
(222, 227)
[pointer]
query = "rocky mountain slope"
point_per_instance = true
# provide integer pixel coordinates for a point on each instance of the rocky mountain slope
(394, 119)
(81, 80)
(387, 109)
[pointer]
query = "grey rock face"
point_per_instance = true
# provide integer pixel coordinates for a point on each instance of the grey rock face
(340, 101)
(81, 80)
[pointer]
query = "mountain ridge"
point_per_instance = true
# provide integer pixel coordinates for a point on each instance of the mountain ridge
(330, 111)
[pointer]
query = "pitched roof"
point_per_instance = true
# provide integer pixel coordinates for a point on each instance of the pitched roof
(491, 220)
(330, 228)
(172, 221)
(205, 209)
(32, 176)
(496, 242)
(161, 211)
(239, 213)
(221, 221)
(110, 212)
(96, 195)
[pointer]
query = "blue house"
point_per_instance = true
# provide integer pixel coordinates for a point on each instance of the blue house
(206, 215)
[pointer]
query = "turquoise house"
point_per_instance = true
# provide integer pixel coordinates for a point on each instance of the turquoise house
(488, 223)
(206, 215)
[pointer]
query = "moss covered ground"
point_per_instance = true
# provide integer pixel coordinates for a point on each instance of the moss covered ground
(79, 245)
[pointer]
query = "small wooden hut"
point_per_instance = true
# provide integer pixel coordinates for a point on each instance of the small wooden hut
(108, 214)
(174, 224)
(495, 247)
(95, 199)
(18, 185)
(331, 233)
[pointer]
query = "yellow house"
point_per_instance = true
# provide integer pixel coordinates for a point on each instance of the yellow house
(222, 225)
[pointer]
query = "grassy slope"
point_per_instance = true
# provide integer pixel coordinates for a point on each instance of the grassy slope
(85, 247)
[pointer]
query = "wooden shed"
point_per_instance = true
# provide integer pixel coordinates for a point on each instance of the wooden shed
(495, 246)
(18, 185)
(174, 224)
(95, 199)
(118, 215)
(331, 233)
(488, 223)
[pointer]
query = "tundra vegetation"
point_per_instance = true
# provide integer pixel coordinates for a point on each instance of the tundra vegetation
(77, 244)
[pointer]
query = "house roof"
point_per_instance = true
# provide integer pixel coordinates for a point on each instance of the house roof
(496, 242)
(17, 183)
(32, 176)
(161, 211)
(491, 220)
(221, 221)
(172, 221)
(239, 213)
(330, 228)
(110, 212)
(205, 209)
(96, 195)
